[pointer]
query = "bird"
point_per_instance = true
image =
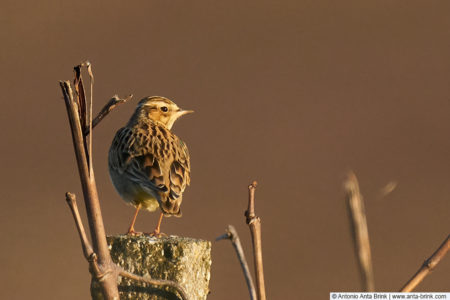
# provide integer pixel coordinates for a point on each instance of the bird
(149, 165)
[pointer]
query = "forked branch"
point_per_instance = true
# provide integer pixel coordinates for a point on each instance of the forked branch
(427, 266)
(97, 230)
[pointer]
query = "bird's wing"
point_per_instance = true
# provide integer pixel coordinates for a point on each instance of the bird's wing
(180, 170)
(131, 154)
(179, 177)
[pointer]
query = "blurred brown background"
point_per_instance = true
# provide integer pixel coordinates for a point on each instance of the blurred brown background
(293, 94)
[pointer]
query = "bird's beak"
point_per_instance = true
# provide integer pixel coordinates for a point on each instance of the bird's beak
(182, 112)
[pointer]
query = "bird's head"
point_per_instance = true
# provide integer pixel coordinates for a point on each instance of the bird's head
(159, 109)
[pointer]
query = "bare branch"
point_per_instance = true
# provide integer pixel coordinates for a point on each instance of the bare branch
(88, 183)
(112, 103)
(427, 266)
(233, 236)
(100, 246)
(157, 282)
(360, 232)
(254, 223)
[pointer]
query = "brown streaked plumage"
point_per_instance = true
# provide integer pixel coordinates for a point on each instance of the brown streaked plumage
(148, 164)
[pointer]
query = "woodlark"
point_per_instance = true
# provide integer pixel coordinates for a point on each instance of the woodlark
(148, 164)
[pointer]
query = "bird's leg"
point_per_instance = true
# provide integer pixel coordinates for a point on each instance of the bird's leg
(158, 226)
(131, 229)
(157, 232)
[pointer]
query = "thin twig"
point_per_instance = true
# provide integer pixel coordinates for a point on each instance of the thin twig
(112, 103)
(88, 252)
(254, 223)
(427, 266)
(360, 232)
(233, 236)
(85, 244)
(157, 282)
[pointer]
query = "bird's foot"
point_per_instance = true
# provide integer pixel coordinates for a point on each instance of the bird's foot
(156, 234)
(133, 233)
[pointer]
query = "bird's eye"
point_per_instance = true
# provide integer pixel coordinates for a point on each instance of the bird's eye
(164, 108)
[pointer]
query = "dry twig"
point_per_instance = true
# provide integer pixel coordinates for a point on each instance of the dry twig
(427, 266)
(254, 223)
(360, 232)
(233, 236)
(112, 103)
(72, 202)
(156, 282)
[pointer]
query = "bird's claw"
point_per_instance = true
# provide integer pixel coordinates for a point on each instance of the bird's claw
(156, 234)
(134, 233)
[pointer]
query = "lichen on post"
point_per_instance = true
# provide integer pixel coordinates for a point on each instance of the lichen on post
(185, 261)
